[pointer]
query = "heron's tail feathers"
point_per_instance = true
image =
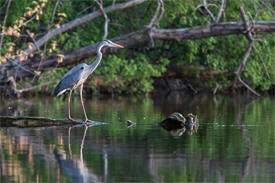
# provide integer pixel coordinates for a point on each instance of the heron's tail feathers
(58, 90)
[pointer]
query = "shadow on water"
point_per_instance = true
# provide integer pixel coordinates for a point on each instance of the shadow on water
(234, 141)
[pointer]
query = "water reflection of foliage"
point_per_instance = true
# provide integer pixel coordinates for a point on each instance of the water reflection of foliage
(26, 155)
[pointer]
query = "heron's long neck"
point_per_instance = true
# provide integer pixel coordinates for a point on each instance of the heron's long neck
(94, 65)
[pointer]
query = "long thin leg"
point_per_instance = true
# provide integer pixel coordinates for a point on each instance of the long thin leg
(81, 88)
(69, 105)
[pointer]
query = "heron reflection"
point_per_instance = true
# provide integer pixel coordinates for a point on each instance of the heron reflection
(75, 167)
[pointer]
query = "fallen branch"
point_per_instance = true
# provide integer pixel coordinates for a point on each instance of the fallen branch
(140, 37)
(12, 69)
(262, 61)
(241, 68)
(249, 29)
(26, 121)
(78, 21)
(24, 90)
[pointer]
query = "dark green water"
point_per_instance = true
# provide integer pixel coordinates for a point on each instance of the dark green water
(234, 142)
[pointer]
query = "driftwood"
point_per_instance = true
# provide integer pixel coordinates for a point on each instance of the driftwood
(27, 121)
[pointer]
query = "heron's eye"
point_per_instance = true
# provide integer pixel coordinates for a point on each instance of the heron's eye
(81, 68)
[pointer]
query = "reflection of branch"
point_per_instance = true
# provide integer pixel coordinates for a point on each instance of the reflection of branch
(247, 139)
(82, 145)
(69, 143)
(100, 4)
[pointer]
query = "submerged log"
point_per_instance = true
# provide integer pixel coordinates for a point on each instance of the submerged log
(27, 121)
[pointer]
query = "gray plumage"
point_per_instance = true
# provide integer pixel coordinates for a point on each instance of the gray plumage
(72, 79)
(75, 77)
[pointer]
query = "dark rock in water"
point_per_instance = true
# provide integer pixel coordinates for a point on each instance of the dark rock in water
(173, 122)
(130, 123)
(177, 124)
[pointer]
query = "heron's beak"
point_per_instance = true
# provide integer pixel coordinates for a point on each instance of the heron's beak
(118, 45)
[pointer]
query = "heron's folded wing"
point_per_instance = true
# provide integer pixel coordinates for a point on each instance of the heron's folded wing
(70, 79)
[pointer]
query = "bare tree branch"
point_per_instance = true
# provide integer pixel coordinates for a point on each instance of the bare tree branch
(78, 21)
(208, 11)
(133, 39)
(157, 14)
(4, 24)
(221, 10)
(241, 67)
(54, 11)
(267, 7)
(24, 90)
(161, 11)
(249, 27)
(100, 4)
(262, 61)
(33, 40)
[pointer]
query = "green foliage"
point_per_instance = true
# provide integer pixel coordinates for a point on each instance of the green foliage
(132, 70)
(131, 75)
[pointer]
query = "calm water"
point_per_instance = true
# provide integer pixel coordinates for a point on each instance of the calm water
(234, 142)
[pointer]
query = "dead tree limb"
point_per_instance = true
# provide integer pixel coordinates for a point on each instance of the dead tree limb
(142, 36)
(78, 21)
(267, 7)
(157, 14)
(241, 68)
(156, 18)
(209, 12)
(54, 11)
(33, 40)
(249, 26)
(129, 40)
(100, 5)
(221, 10)
(24, 90)
(262, 61)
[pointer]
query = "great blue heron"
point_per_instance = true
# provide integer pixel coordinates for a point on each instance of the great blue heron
(75, 77)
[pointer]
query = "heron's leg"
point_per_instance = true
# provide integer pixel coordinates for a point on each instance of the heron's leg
(81, 88)
(69, 104)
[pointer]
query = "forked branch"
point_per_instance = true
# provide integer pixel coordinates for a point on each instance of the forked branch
(157, 14)
(249, 26)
